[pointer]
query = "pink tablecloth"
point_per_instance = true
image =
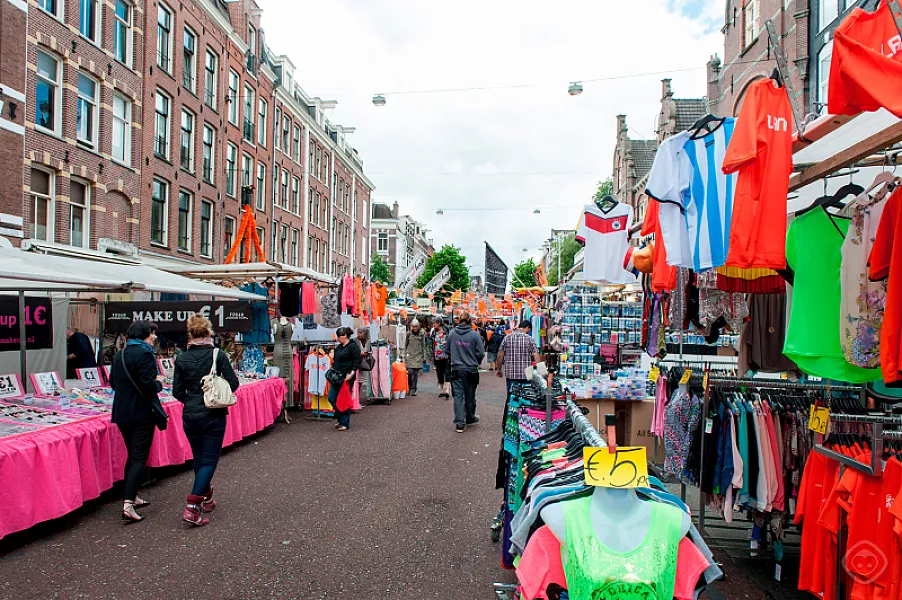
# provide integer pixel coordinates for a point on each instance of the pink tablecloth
(48, 473)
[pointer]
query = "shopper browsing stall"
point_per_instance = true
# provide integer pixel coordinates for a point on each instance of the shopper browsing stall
(518, 351)
(415, 355)
(345, 362)
(204, 427)
(467, 352)
(438, 356)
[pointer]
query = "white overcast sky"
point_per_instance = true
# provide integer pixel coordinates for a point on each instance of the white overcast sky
(518, 149)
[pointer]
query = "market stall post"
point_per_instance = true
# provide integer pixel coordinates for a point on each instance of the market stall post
(23, 340)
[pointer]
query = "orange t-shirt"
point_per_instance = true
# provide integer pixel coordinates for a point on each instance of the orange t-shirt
(761, 151)
(380, 295)
(663, 278)
(866, 69)
(885, 261)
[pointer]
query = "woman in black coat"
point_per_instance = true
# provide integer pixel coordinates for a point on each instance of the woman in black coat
(136, 408)
(346, 361)
(204, 427)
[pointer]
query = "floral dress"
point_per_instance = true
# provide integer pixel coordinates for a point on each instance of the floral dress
(862, 301)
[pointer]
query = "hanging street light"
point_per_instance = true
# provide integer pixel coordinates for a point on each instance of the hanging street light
(379, 100)
(575, 89)
(439, 212)
(537, 212)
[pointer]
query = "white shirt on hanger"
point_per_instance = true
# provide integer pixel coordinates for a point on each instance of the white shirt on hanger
(606, 241)
(316, 367)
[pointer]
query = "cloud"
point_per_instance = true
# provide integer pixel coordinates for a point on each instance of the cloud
(517, 148)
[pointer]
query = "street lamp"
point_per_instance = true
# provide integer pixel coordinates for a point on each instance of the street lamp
(379, 100)
(439, 212)
(575, 89)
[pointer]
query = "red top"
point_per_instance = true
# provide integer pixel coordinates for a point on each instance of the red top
(885, 261)
(663, 277)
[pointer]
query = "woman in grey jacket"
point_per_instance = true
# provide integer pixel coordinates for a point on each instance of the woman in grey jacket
(415, 355)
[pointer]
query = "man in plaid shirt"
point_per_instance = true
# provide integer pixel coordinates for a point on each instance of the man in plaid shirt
(518, 351)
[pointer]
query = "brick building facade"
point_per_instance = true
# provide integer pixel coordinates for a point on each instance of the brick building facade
(145, 127)
(398, 239)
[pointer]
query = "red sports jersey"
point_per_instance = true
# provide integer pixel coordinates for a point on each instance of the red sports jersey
(761, 151)
(663, 277)
(866, 68)
(885, 262)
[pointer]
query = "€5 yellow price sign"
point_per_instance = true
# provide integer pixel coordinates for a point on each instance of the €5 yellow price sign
(687, 375)
(818, 418)
(654, 373)
(626, 467)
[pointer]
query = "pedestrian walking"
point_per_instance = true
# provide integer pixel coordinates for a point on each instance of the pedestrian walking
(415, 355)
(492, 346)
(467, 351)
(204, 427)
(137, 410)
(438, 355)
(346, 360)
(517, 352)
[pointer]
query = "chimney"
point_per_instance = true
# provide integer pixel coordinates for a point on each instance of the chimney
(666, 91)
(621, 127)
(395, 210)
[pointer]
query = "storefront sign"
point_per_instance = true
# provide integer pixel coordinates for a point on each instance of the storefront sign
(172, 317)
(46, 383)
(91, 377)
(38, 323)
(11, 387)
(625, 467)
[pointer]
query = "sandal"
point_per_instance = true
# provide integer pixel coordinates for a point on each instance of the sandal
(342, 428)
(139, 503)
(130, 514)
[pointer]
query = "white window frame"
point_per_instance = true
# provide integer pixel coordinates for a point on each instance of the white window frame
(249, 97)
(261, 186)
(828, 11)
(123, 32)
(56, 85)
(164, 187)
(296, 195)
(189, 60)
(285, 188)
(208, 161)
(261, 233)
(86, 214)
(296, 150)
(382, 243)
(164, 42)
(56, 12)
(211, 79)
(295, 237)
(189, 242)
(192, 123)
(275, 142)
(125, 123)
(207, 239)
(50, 199)
(95, 34)
(286, 133)
(164, 119)
(283, 244)
(231, 169)
(261, 122)
(247, 170)
(229, 233)
(87, 106)
(824, 59)
(234, 86)
(750, 24)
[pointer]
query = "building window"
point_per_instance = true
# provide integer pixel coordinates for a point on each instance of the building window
(283, 245)
(164, 38)
(234, 82)
(824, 59)
(296, 150)
(316, 212)
(210, 71)
(122, 130)
(229, 234)
(749, 23)
(286, 132)
(51, 6)
(310, 159)
(86, 115)
(161, 126)
(184, 234)
(261, 123)
(310, 204)
(275, 185)
(43, 186)
(247, 166)
(252, 40)
(186, 145)
(249, 114)
(206, 229)
(295, 234)
(319, 156)
(827, 13)
(231, 167)
(159, 212)
(79, 214)
(48, 100)
(275, 143)
(261, 186)
(209, 142)
(285, 189)
(89, 19)
(296, 195)
(189, 60)
(261, 235)
(316, 254)
(382, 243)
(122, 34)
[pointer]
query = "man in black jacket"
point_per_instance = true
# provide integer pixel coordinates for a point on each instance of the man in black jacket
(136, 407)
(467, 351)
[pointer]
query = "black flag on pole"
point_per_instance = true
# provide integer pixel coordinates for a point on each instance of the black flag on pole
(495, 272)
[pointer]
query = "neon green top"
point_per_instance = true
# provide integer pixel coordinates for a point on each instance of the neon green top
(595, 572)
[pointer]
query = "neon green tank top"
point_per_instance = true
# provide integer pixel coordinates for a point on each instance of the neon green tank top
(595, 572)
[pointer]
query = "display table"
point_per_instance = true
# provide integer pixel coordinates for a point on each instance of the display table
(50, 472)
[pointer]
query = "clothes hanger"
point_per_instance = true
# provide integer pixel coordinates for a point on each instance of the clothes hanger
(775, 75)
(834, 200)
(606, 203)
(702, 127)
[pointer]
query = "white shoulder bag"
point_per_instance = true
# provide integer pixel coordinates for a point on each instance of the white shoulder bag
(217, 391)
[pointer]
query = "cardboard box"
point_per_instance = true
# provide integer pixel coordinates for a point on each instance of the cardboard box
(598, 408)
(639, 430)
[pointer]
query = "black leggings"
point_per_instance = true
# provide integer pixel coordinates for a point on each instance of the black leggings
(443, 370)
(138, 438)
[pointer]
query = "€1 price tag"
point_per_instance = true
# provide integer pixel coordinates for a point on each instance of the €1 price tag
(687, 374)
(818, 417)
(654, 373)
(626, 467)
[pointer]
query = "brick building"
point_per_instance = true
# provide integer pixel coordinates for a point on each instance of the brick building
(149, 125)
(398, 239)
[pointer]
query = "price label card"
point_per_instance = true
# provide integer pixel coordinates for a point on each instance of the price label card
(654, 373)
(46, 383)
(626, 467)
(11, 387)
(272, 371)
(687, 374)
(705, 382)
(818, 418)
(91, 377)
(167, 366)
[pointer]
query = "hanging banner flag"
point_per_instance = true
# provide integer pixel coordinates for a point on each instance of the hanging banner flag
(436, 283)
(495, 272)
(541, 276)
(405, 286)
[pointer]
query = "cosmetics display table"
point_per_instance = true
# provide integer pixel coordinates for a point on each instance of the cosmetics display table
(57, 453)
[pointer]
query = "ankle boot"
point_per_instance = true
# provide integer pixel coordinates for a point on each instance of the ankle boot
(193, 512)
(209, 503)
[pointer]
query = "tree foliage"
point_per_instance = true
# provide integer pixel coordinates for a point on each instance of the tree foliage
(604, 188)
(457, 263)
(379, 271)
(569, 247)
(524, 274)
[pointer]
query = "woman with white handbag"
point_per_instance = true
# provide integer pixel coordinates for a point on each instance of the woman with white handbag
(205, 382)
